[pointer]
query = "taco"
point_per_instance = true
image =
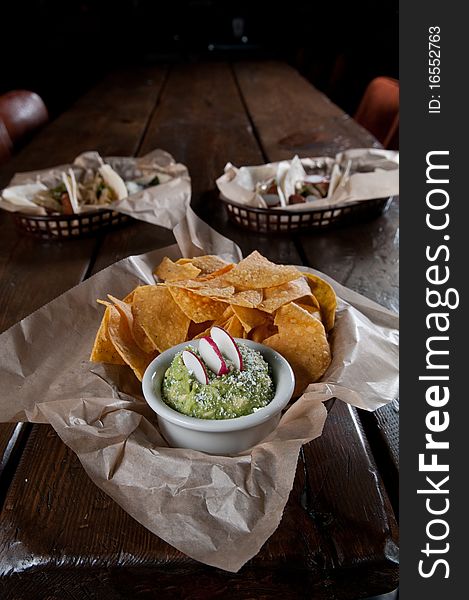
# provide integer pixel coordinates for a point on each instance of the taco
(62, 198)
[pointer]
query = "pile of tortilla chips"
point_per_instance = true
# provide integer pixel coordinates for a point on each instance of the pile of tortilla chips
(277, 305)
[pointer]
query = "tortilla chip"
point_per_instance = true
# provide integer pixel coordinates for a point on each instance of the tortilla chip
(103, 348)
(227, 314)
(168, 270)
(224, 318)
(247, 298)
(217, 289)
(216, 274)
(234, 327)
(275, 297)
(256, 299)
(198, 308)
(129, 298)
(310, 301)
(139, 335)
(302, 340)
(207, 282)
(209, 263)
(313, 311)
(224, 293)
(250, 317)
(261, 332)
(326, 297)
(162, 320)
(122, 338)
(256, 272)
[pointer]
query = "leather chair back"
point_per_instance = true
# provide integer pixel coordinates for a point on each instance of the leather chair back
(379, 111)
(22, 112)
(5, 143)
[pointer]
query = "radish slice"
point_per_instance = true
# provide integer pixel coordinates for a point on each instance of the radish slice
(193, 364)
(212, 356)
(227, 346)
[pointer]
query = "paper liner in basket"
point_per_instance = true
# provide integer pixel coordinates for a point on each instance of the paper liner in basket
(164, 204)
(355, 175)
(217, 510)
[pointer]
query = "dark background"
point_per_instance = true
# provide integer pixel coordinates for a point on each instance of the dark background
(61, 48)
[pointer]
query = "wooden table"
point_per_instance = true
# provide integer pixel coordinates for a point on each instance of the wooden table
(61, 537)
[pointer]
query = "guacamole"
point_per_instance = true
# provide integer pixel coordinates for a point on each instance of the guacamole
(232, 395)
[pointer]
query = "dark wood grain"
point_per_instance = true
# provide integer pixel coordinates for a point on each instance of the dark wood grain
(136, 238)
(364, 256)
(37, 272)
(292, 117)
(201, 120)
(306, 556)
(348, 501)
(12, 439)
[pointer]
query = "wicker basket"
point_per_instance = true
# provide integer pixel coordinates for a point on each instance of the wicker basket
(68, 227)
(264, 220)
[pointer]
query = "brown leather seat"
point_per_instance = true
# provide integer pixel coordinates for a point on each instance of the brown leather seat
(22, 112)
(5, 143)
(379, 111)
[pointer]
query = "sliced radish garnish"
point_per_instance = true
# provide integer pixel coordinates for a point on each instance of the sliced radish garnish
(227, 346)
(211, 354)
(195, 366)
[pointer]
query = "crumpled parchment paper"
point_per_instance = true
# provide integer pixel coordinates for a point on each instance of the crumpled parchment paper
(218, 510)
(355, 175)
(164, 204)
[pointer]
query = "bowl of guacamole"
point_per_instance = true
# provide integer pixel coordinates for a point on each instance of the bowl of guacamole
(230, 413)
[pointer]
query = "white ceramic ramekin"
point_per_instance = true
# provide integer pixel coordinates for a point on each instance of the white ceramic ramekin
(218, 436)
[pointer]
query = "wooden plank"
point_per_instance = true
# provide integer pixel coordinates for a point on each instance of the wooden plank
(349, 503)
(292, 117)
(136, 238)
(202, 122)
(84, 531)
(37, 272)
(12, 439)
(364, 256)
(111, 119)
